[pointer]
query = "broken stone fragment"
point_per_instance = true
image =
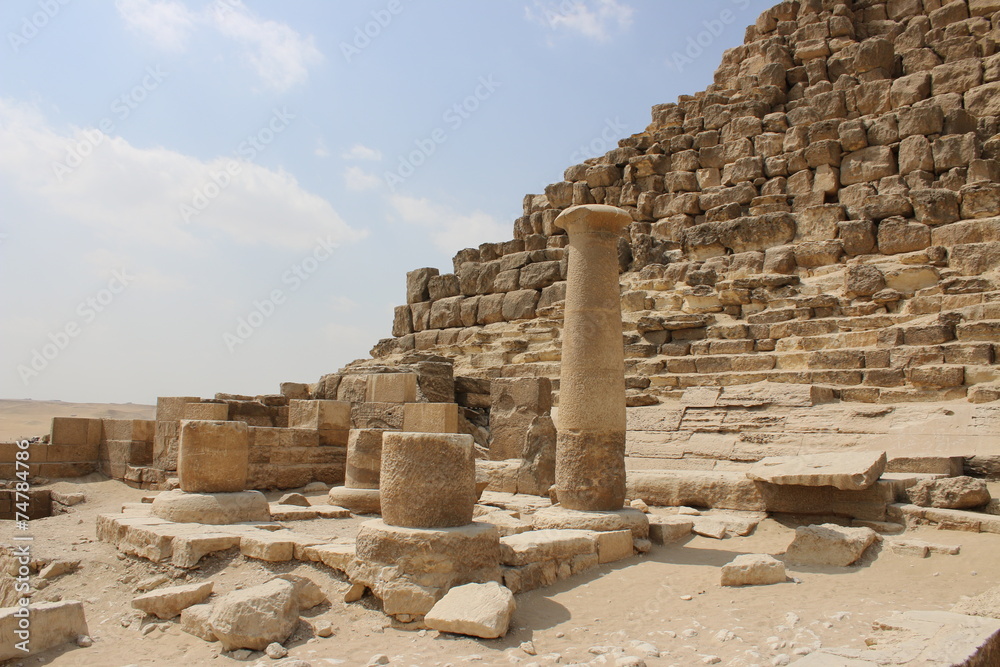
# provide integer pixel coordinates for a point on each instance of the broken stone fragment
(829, 544)
(478, 610)
(166, 603)
(949, 493)
(753, 570)
(254, 617)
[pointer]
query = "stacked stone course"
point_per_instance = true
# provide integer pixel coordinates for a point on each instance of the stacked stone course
(823, 213)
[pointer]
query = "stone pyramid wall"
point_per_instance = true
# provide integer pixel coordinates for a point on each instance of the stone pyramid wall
(823, 213)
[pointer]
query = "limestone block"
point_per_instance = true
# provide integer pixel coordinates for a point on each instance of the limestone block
(548, 545)
(874, 53)
(613, 545)
(213, 456)
(854, 471)
(829, 544)
(459, 550)
(560, 518)
(206, 411)
(358, 501)
(984, 100)
(211, 508)
(417, 284)
(385, 416)
(981, 200)
(194, 621)
(428, 480)
(896, 235)
(949, 493)
(666, 529)
(863, 280)
(392, 388)
(254, 617)
(910, 89)
(519, 305)
(974, 259)
(364, 459)
(402, 324)
(52, 624)
(75, 431)
(954, 150)
(956, 77)
(166, 603)
(430, 418)
(447, 313)
(868, 164)
(515, 403)
(935, 206)
(753, 570)
(187, 550)
(478, 610)
(858, 236)
(915, 154)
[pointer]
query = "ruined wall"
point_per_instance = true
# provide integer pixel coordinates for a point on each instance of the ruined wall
(822, 213)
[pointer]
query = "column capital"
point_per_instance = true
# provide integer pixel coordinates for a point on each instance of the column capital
(593, 218)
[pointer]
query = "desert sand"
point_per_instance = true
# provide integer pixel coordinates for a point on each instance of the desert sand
(21, 419)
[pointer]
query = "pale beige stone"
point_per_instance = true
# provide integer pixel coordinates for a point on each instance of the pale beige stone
(851, 471)
(753, 570)
(829, 544)
(478, 610)
(364, 459)
(546, 545)
(392, 388)
(430, 418)
(165, 603)
(254, 617)
(949, 493)
(52, 624)
(213, 456)
(319, 415)
(211, 508)
(590, 451)
(194, 621)
(428, 480)
(206, 411)
(614, 545)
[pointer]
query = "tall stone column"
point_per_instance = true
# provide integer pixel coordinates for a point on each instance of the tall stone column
(590, 449)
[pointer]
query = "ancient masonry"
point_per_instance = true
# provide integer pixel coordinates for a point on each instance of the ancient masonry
(822, 214)
(821, 223)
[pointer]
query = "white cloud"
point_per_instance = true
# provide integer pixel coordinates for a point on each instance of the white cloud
(450, 231)
(278, 54)
(167, 24)
(362, 152)
(321, 150)
(125, 192)
(595, 19)
(359, 180)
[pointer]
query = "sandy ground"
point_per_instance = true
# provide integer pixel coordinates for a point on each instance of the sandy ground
(641, 599)
(26, 418)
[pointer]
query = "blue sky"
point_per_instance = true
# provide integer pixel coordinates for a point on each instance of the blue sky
(202, 196)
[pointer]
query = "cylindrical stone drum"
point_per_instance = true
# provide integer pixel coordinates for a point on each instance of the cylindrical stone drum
(590, 451)
(364, 458)
(428, 480)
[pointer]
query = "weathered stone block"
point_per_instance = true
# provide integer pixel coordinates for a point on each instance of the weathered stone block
(428, 480)
(213, 456)
(430, 418)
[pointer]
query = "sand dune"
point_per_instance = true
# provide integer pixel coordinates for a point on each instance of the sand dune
(27, 418)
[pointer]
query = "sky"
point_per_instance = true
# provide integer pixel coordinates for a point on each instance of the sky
(201, 196)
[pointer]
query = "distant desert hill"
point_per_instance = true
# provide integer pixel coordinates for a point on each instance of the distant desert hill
(27, 418)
